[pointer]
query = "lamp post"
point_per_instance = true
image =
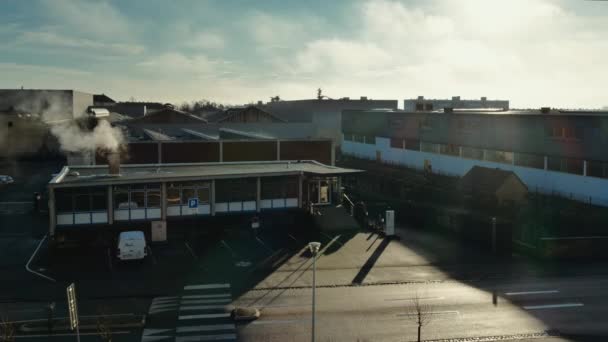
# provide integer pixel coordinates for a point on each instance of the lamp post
(314, 249)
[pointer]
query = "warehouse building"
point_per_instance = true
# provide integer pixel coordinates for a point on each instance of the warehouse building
(107, 199)
(421, 104)
(553, 152)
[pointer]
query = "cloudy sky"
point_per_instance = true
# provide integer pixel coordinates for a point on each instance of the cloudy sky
(533, 52)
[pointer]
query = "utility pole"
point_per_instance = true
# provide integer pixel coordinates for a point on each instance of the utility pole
(314, 249)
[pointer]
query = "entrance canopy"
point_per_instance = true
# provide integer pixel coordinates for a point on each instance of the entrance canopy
(78, 176)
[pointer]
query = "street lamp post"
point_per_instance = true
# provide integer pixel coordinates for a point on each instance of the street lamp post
(314, 249)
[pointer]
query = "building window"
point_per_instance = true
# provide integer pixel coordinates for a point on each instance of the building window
(236, 190)
(529, 160)
(449, 149)
(597, 169)
(412, 144)
(137, 196)
(426, 123)
(429, 147)
(81, 199)
(472, 153)
(419, 106)
(428, 106)
(499, 156)
(279, 187)
(397, 143)
(370, 139)
(348, 136)
(569, 165)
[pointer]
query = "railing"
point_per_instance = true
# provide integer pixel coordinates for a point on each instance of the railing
(348, 204)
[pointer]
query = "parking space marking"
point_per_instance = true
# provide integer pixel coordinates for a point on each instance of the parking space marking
(206, 301)
(27, 266)
(530, 293)
(422, 298)
(329, 237)
(232, 252)
(450, 312)
(219, 295)
(201, 307)
(122, 332)
(264, 245)
(205, 338)
(204, 316)
(553, 306)
(209, 327)
(280, 321)
(207, 286)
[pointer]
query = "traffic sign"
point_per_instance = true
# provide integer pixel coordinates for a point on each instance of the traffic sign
(193, 203)
(72, 306)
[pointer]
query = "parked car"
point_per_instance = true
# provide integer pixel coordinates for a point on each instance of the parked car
(131, 245)
(245, 314)
(4, 179)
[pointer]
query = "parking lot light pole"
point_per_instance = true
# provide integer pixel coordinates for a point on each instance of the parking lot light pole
(314, 249)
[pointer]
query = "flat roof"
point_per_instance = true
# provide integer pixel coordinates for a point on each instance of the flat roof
(86, 175)
(492, 112)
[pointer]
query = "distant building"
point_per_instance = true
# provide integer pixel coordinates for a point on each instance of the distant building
(429, 105)
(50, 104)
(103, 100)
(552, 151)
(241, 114)
(325, 114)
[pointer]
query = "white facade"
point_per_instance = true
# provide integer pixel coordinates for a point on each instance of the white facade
(582, 188)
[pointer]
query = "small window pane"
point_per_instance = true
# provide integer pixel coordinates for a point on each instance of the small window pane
(203, 195)
(173, 197)
(63, 200)
(153, 199)
(82, 202)
(187, 193)
(121, 199)
(138, 199)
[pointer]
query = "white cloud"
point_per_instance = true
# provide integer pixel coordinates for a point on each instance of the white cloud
(98, 19)
(51, 39)
(174, 62)
(205, 40)
(534, 53)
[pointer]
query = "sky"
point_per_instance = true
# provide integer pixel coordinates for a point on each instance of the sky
(531, 52)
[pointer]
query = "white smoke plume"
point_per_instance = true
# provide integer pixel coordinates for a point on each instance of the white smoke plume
(73, 139)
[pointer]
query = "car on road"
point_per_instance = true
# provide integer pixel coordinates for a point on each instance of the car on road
(245, 314)
(4, 179)
(131, 245)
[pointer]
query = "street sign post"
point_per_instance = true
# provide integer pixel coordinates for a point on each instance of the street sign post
(73, 309)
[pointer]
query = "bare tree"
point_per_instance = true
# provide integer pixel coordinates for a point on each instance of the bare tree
(419, 313)
(7, 330)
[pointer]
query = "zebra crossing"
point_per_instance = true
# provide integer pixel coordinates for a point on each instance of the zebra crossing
(202, 314)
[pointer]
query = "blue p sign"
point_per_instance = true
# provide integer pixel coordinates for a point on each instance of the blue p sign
(193, 203)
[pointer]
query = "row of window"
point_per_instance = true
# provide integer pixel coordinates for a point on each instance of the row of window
(562, 164)
(149, 195)
(366, 139)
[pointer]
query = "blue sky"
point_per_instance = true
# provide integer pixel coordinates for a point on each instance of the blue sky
(533, 52)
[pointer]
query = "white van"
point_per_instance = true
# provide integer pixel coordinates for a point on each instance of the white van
(131, 245)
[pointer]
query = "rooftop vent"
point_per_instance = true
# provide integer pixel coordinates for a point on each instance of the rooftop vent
(483, 99)
(420, 98)
(455, 98)
(545, 110)
(363, 98)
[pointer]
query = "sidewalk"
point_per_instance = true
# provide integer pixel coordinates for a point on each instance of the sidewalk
(419, 256)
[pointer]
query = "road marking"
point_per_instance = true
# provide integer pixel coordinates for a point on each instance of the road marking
(201, 307)
(220, 295)
(232, 252)
(329, 237)
(530, 293)
(210, 327)
(154, 338)
(15, 203)
(207, 286)
(148, 332)
(206, 301)
(27, 266)
(71, 334)
(264, 245)
(553, 306)
(204, 316)
(432, 313)
(164, 298)
(205, 338)
(291, 236)
(423, 298)
(280, 321)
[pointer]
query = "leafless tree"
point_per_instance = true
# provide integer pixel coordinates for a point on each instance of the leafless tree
(103, 327)
(7, 330)
(419, 313)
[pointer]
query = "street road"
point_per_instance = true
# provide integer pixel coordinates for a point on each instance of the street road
(458, 310)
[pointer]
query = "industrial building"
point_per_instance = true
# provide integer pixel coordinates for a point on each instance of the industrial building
(422, 104)
(553, 152)
(101, 200)
(323, 113)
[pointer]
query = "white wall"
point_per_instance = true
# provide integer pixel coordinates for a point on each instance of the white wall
(587, 189)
